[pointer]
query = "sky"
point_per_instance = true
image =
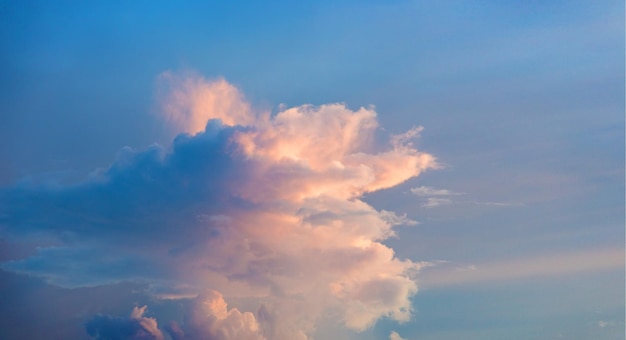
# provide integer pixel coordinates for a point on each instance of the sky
(312, 170)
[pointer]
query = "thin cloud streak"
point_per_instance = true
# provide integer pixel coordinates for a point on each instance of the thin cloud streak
(430, 191)
(441, 197)
(587, 261)
(433, 202)
(434, 197)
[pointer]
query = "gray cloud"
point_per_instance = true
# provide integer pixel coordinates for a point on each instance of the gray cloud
(135, 327)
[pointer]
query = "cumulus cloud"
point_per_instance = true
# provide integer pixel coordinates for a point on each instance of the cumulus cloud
(257, 207)
(210, 318)
(135, 327)
(395, 336)
(188, 101)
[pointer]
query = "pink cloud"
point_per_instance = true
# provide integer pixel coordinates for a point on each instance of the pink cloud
(255, 208)
(189, 101)
(311, 239)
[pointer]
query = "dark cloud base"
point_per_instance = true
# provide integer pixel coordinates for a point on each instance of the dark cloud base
(33, 309)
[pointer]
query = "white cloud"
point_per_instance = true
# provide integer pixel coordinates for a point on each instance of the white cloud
(395, 219)
(434, 197)
(395, 336)
(210, 318)
(430, 191)
(437, 197)
(432, 202)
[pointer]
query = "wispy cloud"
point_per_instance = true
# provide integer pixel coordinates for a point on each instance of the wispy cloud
(430, 191)
(435, 197)
(446, 274)
(395, 219)
(432, 202)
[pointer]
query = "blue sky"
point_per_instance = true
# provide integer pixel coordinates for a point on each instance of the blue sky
(520, 227)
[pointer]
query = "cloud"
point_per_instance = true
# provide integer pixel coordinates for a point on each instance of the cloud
(266, 209)
(273, 327)
(432, 202)
(438, 197)
(584, 261)
(434, 197)
(394, 219)
(430, 191)
(188, 101)
(32, 309)
(210, 318)
(206, 316)
(395, 336)
(135, 327)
